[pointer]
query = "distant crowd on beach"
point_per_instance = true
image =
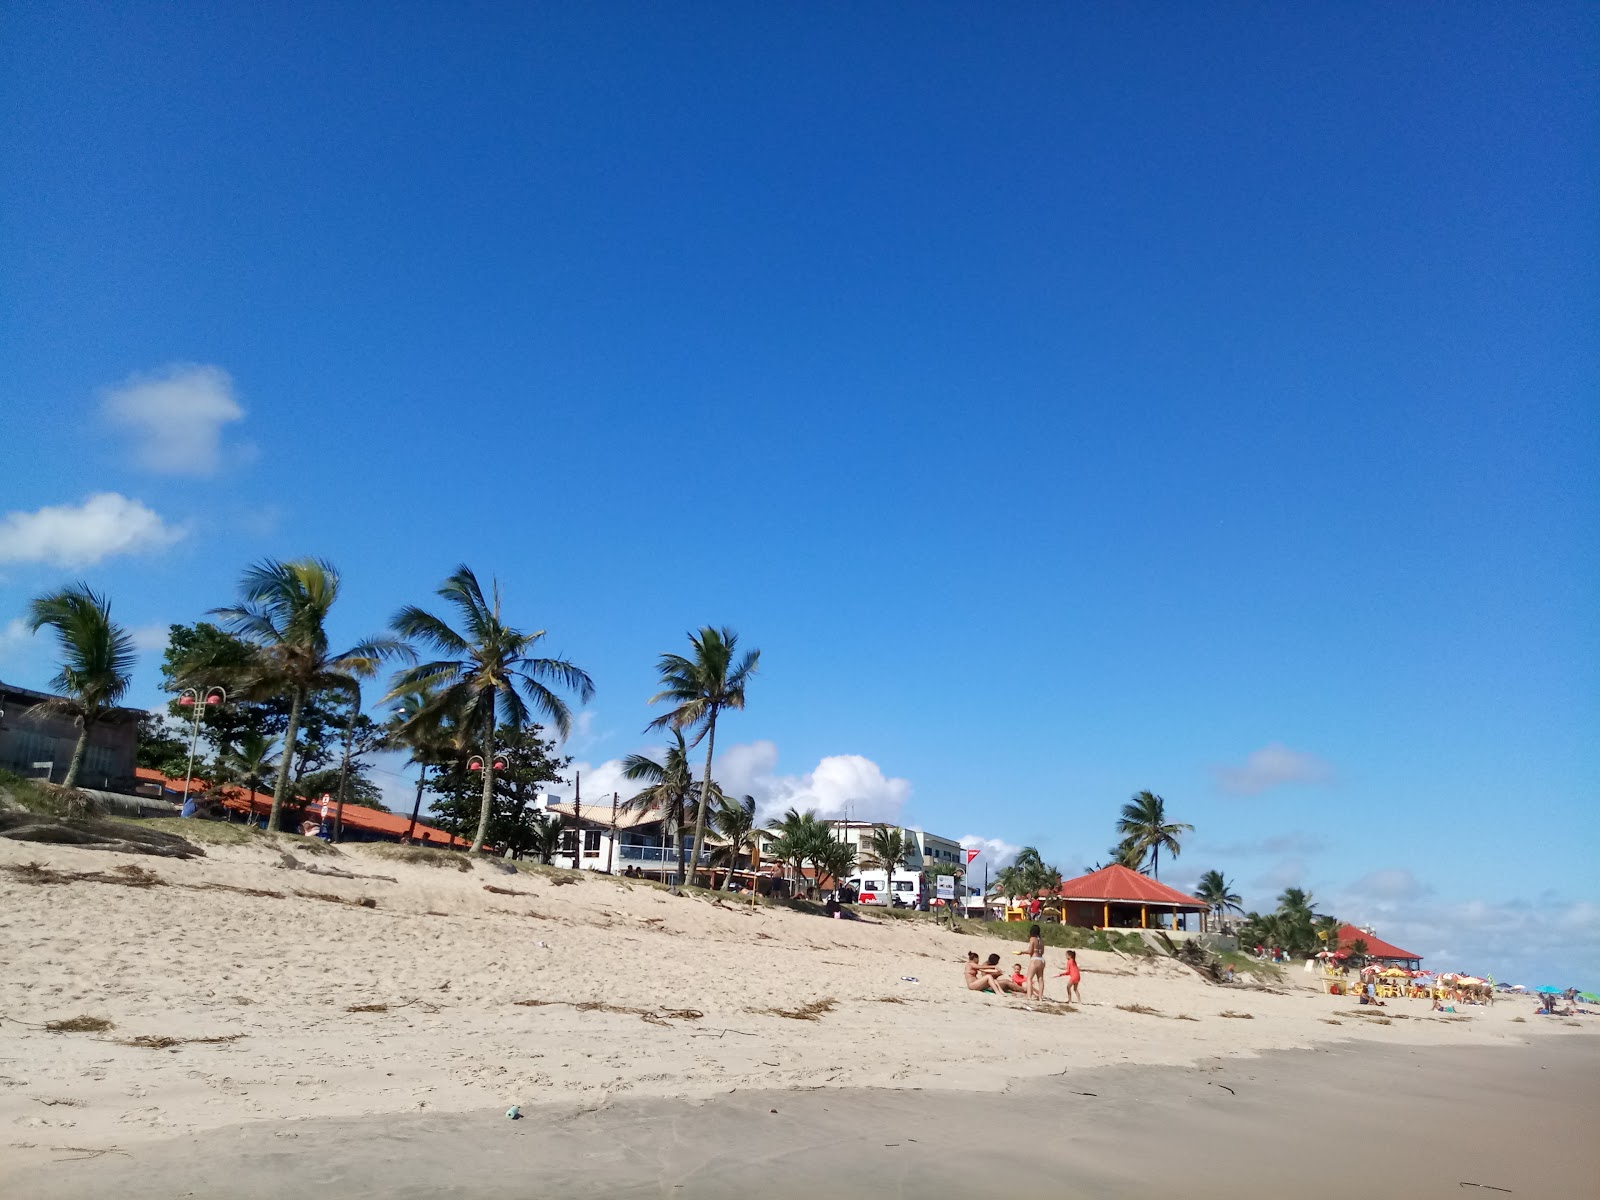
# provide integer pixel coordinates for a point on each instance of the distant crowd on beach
(988, 975)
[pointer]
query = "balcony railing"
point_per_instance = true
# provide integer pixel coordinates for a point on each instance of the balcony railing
(655, 854)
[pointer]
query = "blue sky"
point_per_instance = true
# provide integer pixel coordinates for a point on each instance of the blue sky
(1067, 402)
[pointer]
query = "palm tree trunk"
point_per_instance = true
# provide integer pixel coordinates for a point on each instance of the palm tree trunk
(488, 781)
(422, 775)
(78, 753)
(1155, 862)
(678, 837)
(280, 790)
(705, 793)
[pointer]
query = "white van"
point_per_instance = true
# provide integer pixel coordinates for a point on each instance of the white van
(874, 887)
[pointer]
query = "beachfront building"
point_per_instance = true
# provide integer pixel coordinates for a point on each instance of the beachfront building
(38, 744)
(612, 837)
(1118, 897)
(1377, 950)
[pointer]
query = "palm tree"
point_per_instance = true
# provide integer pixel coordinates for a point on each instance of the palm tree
(544, 836)
(1144, 822)
(797, 836)
(487, 671)
(734, 822)
(282, 613)
(250, 759)
(96, 660)
(1218, 893)
(835, 859)
(1126, 853)
(886, 848)
(671, 788)
(700, 688)
(432, 735)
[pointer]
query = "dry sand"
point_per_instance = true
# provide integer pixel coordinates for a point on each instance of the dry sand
(450, 959)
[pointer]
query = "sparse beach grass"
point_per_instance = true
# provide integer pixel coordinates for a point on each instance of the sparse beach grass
(428, 856)
(225, 833)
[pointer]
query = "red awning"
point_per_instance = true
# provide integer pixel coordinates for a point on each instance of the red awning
(1122, 885)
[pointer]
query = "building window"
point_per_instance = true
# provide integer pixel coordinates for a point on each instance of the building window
(591, 841)
(569, 841)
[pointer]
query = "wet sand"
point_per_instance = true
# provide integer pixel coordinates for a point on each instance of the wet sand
(1349, 1118)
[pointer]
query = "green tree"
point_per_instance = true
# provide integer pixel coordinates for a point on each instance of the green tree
(96, 663)
(1126, 853)
(670, 790)
(431, 736)
(700, 688)
(544, 836)
(161, 747)
(1144, 822)
(487, 671)
(1027, 874)
(527, 761)
(282, 613)
(886, 848)
(797, 838)
(250, 760)
(834, 860)
(734, 824)
(1218, 893)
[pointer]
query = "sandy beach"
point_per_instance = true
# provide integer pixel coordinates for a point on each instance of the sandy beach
(338, 1027)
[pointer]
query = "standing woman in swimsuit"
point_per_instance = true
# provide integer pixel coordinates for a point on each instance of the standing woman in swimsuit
(1035, 963)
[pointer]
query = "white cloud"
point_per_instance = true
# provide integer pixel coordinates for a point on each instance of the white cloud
(1289, 872)
(15, 637)
(837, 785)
(837, 782)
(176, 416)
(1278, 844)
(1550, 939)
(1272, 766)
(993, 853)
(79, 536)
(150, 637)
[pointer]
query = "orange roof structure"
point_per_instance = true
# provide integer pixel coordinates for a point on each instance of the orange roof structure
(1376, 946)
(356, 817)
(1122, 885)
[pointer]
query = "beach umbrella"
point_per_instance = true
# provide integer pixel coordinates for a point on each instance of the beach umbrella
(1589, 998)
(1546, 989)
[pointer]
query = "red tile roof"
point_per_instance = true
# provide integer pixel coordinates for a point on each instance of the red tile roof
(1122, 885)
(368, 820)
(1376, 946)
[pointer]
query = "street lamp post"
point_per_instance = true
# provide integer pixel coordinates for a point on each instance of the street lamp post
(199, 699)
(476, 763)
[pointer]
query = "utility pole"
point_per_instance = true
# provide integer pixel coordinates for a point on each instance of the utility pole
(577, 817)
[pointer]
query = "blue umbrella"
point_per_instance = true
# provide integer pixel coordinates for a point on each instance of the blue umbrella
(1548, 988)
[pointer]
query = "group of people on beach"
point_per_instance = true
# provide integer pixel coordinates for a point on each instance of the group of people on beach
(989, 976)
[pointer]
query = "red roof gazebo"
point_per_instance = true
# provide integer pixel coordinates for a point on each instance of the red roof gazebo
(1118, 897)
(1378, 950)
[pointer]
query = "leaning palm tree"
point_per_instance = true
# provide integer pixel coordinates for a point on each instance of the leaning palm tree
(734, 823)
(1218, 894)
(1144, 822)
(699, 688)
(487, 672)
(886, 848)
(670, 789)
(282, 613)
(249, 761)
(96, 660)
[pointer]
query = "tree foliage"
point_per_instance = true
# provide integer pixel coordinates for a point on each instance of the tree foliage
(531, 761)
(1144, 825)
(486, 672)
(1027, 875)
(699, 687)
(95, 664)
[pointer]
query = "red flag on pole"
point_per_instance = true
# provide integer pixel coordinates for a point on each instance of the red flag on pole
(972, 854)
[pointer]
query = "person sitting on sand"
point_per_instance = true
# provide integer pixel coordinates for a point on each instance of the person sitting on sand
(977, 980)
(995, 972)
(1035, 980)
(1018, 978)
